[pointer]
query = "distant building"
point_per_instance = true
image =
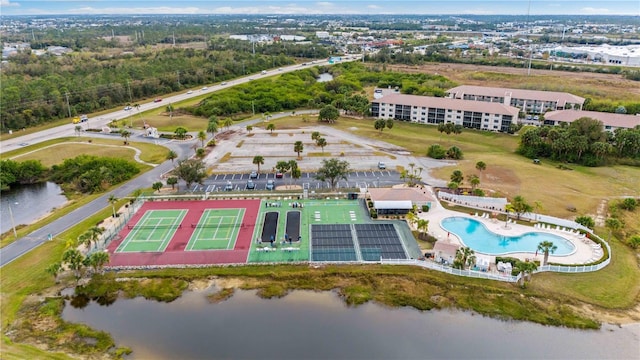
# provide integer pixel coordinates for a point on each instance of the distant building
(322, 34)
(433, 110)
(610, 121)
(529, 101)
(58, 50)
(607, 54)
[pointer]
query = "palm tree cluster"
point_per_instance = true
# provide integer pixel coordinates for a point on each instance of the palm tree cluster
(465, 257)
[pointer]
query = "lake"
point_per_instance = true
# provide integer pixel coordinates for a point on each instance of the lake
(28, 203)
(318, 325)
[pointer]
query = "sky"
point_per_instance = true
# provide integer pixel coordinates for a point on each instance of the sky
(305, 7)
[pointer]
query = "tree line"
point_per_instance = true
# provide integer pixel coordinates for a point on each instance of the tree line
(583, 141)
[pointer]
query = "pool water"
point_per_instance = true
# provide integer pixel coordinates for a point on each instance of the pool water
(476, 236)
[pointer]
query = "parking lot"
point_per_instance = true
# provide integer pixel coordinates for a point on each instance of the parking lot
(355, 179)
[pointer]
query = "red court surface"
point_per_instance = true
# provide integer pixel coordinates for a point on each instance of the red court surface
(174, 253)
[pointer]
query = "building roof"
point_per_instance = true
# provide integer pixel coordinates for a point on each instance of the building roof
(445, 247)
(607, 119)
(448, 103)
(393, 205)
(560, 97)
(413, 194)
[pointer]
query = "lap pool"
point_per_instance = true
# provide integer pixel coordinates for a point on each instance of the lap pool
(476, 236)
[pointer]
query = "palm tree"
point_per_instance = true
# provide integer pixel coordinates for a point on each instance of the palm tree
(85, 239)
(200, 153)
(481, 166)
(212, 126)
(315, 135)
(78, 129)
(464, 257)
(507, 209)
(322, 142)
(54, 270)
(94, 234)
(98, 259)
(457, 176)
(271, 127)
(613, 225)
(172, 181)
(411, 218)
(74, 259)
(258, 160)
(113, 200)
(202, 136)
(474, 180)
(422, 225)
(171, 155)
(125, 134)
(249, 128)
(228, 122)
(546, 247)
(526, 270)
(298, 147)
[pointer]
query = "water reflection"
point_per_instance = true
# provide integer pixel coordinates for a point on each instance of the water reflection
(309, 325)
(28, 203)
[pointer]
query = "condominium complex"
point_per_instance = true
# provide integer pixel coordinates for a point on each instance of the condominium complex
(528, 101)
(434, 110)
(610, 121)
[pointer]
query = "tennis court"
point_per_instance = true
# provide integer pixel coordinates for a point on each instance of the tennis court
(217, 230)
(153, 231)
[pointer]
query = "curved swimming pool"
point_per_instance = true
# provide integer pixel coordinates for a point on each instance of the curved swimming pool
(476, 236)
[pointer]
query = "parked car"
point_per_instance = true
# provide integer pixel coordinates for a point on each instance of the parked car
(157, 100)
(270, 185)
(228, 186)
(381, 165)
(279, 175)
(250, 184)
(253, 175)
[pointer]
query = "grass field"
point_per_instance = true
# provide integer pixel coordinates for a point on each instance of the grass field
(70, 147)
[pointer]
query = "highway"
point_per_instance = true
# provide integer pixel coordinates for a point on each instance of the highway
(36, 238)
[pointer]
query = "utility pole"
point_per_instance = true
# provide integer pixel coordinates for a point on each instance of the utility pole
(68, 106)
(174, 39)
(129, 89)
(253, 108)
(243, 73)
(178, 73)
(253, 44)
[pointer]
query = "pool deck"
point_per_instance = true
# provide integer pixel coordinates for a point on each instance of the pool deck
(585, 249)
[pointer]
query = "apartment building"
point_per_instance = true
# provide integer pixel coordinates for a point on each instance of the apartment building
(434, 110)
(610, 121)
(528, 101)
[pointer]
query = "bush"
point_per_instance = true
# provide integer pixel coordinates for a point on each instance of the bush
(628, 204)
(436, 152)
(455, 153)
(478, 192)
(211, 143)
(425, 208)
(586, 221)
(373, 213)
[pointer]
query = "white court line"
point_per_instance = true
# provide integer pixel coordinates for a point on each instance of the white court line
(239, 217)
(176, 222)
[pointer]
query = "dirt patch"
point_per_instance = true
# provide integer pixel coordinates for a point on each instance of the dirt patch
(289, 187)
(621, 317)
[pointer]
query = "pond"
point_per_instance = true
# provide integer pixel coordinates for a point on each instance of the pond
(28, 203)
(306, 325)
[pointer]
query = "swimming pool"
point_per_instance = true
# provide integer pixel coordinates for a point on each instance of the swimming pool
(476, 236)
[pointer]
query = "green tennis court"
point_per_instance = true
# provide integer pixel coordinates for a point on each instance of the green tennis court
(217, 229)
(153, 231)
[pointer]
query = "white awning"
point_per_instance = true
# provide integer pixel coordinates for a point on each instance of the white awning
(393, 205)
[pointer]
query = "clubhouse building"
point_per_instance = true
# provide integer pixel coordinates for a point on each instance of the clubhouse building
(528, 101)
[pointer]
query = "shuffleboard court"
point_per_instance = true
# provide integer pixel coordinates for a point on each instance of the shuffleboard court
(153, 231)
(217, 230)
(293, 226)
(270, 227)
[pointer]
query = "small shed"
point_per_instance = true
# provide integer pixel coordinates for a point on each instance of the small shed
(397, 207)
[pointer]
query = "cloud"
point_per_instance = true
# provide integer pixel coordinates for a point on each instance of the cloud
(590, 10)
(373, 7)
(8, 3)
(324, 3)
(146, 10)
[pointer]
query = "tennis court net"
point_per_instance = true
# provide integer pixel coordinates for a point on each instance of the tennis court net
(134, 227)
(213, 226)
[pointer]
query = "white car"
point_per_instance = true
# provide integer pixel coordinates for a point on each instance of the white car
(190, 92)
(223, 83)
(204, 88)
